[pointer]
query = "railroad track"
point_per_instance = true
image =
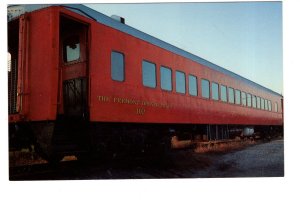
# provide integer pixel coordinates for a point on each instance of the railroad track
(178, 164)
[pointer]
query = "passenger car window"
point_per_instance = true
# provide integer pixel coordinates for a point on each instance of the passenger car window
(244, 100)
(117, 66)
(248, 100)
(149, 74)
(276, 107)
(269, 105)
(223, 93)
(230, 95)
(193, 89)
(71, 49)
(165, 78)
(258, 102)
(262, 103)
(215, 91)
(205, 88)
(237, 97)
(253, 101)
(180, 82)
(266, 104)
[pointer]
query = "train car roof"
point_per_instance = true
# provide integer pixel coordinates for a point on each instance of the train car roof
(17, 10)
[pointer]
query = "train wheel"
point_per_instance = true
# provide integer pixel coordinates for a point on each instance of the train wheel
(51, 158)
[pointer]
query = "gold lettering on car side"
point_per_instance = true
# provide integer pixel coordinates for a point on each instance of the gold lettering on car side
(103, 98)
(141, 110)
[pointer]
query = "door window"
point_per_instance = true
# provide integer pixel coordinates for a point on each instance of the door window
(71, 49)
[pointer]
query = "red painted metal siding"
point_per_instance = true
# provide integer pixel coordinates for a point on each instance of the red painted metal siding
(43, 65)
(130, 101)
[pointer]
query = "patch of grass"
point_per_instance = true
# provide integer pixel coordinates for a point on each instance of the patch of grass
(24, 157)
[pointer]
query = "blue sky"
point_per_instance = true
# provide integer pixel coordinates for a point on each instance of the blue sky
(245, 38)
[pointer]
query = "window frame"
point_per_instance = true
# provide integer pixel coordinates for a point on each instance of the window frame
(276, 106)
(249, 97)
(262, 104)
(233, 95)
(258, 103)
(208, 87)
(171, 78)
(155, 74)
(176, 83)
(111, 65)
(254, 101)
(266, 104)
(196, 84)
(270, 105)
(212, 91)
(244, 100)
(224, 86)
(67, 43)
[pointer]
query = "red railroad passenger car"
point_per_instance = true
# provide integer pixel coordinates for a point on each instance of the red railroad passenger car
(82, 82)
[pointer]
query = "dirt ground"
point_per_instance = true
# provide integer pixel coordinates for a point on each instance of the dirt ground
(262, 160)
